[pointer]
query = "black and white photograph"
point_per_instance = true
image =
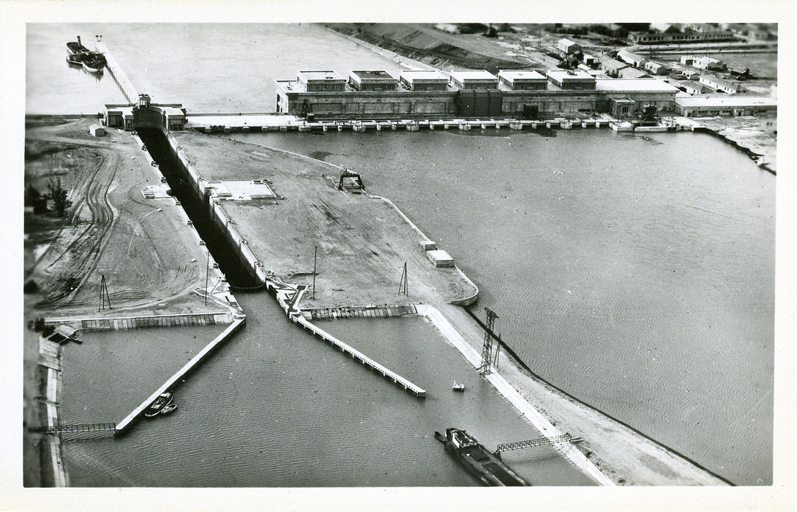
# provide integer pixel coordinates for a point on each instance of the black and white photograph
(368, 256)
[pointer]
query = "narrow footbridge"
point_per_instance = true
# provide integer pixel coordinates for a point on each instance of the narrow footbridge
(508, 447)
(85, 427)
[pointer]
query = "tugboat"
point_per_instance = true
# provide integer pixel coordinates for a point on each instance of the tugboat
(94, 62)
(76, 47)
(76, 59)
(160, 403)
(478, 459)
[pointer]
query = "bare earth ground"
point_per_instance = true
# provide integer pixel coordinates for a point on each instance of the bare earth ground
(362, 247)
(757, 133)
(141, 246)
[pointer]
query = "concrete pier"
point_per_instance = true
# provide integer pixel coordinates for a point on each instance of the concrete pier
(126, 423)
(118, 74)
(287, 297)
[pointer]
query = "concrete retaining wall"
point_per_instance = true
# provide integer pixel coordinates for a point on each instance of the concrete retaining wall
(383, 311)
(140, 322)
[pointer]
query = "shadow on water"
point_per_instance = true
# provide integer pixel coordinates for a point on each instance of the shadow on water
(197, 209)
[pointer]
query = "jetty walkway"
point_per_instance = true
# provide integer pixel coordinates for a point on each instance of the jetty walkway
(126, 423)
(118, 74)
(288, 296)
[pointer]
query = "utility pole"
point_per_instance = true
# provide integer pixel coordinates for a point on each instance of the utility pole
(207, 275)
(403, 282)
(315, 266)
(487, 349)
(104, 296)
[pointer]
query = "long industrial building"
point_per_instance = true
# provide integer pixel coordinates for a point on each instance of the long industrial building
(424, 94)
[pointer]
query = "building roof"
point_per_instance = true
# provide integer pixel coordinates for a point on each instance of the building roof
(521, 75)
(614, 63)
(473, 75)
(321, 75)
(373, 75)
(564, 74)
(629, 55)
(633, 85)
(423, 75)
(568, 42)
(726, 101)
(721, 81)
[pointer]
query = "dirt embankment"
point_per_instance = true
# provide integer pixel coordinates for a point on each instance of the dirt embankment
(141, 246)
(425, 44)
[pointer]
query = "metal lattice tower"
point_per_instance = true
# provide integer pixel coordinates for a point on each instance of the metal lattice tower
(487, 349)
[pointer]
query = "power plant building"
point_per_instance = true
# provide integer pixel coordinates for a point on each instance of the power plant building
(523, 80)
(474, 94)
(474, 80)
(317, 81)
(423, 81)
(372, 81)
(571, 80)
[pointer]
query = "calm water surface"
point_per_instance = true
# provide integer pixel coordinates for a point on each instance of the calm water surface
(276, 407)
(636, 273)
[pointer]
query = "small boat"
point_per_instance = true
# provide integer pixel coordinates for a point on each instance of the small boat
(94, 63)
(158, 404)
(76, 47)
(75, 59)
(169, 408)
(458, 387)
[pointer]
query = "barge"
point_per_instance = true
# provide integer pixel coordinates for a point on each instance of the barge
(478, 459)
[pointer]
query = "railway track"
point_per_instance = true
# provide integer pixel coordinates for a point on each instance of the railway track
(81, 255)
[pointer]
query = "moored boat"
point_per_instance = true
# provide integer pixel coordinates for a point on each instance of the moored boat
(478, 459)
(94, 63)
(158, 404)
(76, 47)
(169, 408)
(75, 59)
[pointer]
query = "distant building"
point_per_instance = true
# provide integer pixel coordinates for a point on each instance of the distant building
(682, 38)
(706, 62)
(568, 47)
(720, 84)
(688, 86)
(571, 80)
(423, 80)
(631, 72)
(631, 58)
(473, 80)
(657, 68)
(523, 80)
(724, 105)
(616, 30)
(612, 67)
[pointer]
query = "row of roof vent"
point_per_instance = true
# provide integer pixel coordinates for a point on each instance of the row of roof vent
(319, 81)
